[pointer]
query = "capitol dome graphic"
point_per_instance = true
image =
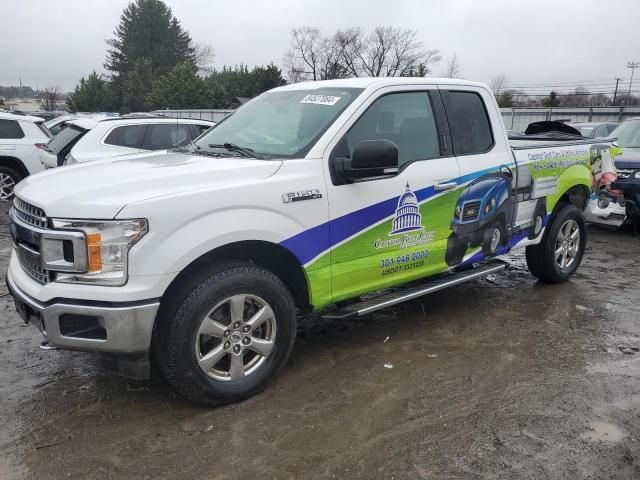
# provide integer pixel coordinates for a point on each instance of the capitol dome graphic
(407, 217)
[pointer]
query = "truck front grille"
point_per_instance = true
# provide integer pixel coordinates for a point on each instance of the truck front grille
(470, 211)
(36, 272)
(29, 214)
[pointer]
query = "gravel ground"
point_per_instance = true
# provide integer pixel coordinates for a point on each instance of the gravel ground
(499, 378)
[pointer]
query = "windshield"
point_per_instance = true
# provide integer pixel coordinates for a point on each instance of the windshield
(628, 134)
(283, 124)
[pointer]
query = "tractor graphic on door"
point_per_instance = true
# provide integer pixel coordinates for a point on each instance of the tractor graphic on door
(493, 208)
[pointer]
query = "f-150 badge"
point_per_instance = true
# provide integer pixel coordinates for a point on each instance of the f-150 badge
(301, 195)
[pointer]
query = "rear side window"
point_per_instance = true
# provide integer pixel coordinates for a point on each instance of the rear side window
(126, 136)
(10, 129)
(469, 122)
(66, 137)
(167, 135)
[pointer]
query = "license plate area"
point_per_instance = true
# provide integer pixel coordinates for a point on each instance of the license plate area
(29, 315)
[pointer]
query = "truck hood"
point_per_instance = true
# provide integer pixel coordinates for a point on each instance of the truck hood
(480, 188)
(629, 158)
(102, 188)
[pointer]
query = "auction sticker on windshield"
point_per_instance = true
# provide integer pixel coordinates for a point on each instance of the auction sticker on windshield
(320, 99)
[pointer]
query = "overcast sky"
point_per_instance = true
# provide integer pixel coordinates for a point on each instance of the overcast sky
(55, 42)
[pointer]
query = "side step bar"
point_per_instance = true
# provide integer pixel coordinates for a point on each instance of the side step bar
(384, 300)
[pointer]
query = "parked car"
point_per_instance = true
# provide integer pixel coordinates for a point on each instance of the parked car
(303, 200)
(87, 139)
(595, 129)
(21, 137)
(627, 136)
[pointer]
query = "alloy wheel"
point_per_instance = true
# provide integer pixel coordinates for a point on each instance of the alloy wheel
(236, 337)
(567, 244)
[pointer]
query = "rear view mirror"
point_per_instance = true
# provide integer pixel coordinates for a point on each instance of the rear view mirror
(371, 158)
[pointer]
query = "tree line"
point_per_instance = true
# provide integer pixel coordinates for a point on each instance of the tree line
(153, 63)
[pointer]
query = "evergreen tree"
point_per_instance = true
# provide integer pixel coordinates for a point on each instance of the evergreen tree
(138, 85)
(90, 95)
(238, 81)
(551, 101)
(181, 88)
(147, 29)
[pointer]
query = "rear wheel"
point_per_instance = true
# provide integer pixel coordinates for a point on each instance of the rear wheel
(9, 178)
(560, 252)
(538, 220)
(229, 337)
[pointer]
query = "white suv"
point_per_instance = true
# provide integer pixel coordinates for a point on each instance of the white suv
(21, 137)
(87, 139)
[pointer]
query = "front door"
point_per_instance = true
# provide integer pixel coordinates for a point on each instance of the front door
(391, 230)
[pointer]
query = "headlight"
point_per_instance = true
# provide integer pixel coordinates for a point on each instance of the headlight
(637, 174)
(490, 205)
(108, 244)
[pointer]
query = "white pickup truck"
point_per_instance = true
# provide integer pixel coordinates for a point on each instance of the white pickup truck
(200, 259)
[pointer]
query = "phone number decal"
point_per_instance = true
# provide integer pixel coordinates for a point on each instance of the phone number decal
(401, 263)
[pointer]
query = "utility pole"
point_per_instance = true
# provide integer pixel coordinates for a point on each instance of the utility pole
(615, 94)
(632, 66)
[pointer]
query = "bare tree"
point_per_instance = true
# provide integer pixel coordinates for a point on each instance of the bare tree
(304, 55)
(579, 98)
(386, 51)
(203, 55)
(498, 83)
(453, 67)
(393, 52)
(49, 98)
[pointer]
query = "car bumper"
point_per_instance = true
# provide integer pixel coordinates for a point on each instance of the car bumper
(103, 327)
(630, 187)
(613, 215)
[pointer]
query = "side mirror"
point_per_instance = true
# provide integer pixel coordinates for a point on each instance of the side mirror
(371, 158)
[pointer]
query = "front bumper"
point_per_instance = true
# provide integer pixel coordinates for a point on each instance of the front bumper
(103, 327)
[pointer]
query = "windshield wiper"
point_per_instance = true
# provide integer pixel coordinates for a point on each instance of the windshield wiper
(232, 147)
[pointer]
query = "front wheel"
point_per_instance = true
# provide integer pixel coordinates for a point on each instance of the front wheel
(230, 336)
(494, 236)
(9, 178)
(560, 252)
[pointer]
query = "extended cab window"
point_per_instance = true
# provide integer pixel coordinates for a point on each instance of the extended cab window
(406, 119)
(167, 135)
(10, 129)
(126, 136)
(469, 122)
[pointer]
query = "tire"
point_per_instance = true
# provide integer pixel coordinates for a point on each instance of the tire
(538, 220)
(199, 356)
(9, 178)
(493, 237)
(456, 248)
(542, 260)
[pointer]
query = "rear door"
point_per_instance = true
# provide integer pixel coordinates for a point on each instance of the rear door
(480, 145)
(391, 230)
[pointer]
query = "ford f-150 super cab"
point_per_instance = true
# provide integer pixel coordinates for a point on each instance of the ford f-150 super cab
(200, 259)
